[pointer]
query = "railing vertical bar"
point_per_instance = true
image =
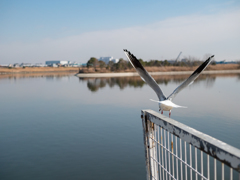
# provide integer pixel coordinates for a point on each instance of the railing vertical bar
(169, 163)
(149, 149)
(146, 145)
(215, 169)
(202, 164)
(157, 140)
(155, 152)
(222, 171)
(172, 156)
(185, 150)
(231, 174)
(152, 149)
(190, 154)
(176, 155)
(181, 158)
(208, 167)
(165, 143)
(159, 154)
(196, 175)
(162, 153)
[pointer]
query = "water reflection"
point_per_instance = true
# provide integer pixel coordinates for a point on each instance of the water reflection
(94, 84)
(238, 77)
(48, 76)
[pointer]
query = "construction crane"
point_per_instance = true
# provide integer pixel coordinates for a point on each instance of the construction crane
(178, 56)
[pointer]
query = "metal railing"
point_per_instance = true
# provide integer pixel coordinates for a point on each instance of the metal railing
(176, 151)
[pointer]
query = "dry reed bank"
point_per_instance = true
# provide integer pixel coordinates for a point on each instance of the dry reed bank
(4, 70)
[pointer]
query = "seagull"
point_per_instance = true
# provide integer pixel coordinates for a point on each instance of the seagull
(165, 104)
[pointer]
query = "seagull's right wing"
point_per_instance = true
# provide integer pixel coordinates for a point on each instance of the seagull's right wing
(191, 78)
(144, 74)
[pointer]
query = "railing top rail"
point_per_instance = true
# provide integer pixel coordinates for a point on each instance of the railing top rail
(225, 153)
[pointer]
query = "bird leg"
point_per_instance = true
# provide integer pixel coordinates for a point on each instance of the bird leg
(162, 112)
(160, 109)
(170, 113)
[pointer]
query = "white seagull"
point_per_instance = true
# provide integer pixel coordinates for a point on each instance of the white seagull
(165, 104)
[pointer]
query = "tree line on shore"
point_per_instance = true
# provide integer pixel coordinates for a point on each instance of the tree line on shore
(123, 64)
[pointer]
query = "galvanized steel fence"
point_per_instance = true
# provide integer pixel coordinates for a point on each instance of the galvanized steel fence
(176, 151)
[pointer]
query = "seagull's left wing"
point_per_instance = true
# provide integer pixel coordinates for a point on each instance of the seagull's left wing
(144, 74)
(191, 78)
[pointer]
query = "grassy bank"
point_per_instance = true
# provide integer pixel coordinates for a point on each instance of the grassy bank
(4, 70)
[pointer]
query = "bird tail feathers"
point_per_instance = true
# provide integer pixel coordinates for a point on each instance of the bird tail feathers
(168, 103)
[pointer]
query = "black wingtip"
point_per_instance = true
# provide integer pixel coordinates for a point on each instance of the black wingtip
(125, 50)
(212, 56)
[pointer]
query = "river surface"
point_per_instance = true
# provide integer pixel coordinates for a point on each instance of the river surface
(59, 126)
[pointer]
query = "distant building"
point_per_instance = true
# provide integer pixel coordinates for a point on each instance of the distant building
(108, 59)
(54, 65)
(226, 62)
(171, 61)
(184, 60)
(4, 65)
(105, 59)
(16, 65)
(50, 63)
(74, 64)
(84, 65)
(39, 65)
(26, 65)
(115, 60)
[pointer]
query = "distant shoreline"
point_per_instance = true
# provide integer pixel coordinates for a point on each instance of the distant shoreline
(43, 70)
(98, 72)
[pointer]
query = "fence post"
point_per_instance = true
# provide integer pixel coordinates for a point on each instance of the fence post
(145, 139)
(150, 148)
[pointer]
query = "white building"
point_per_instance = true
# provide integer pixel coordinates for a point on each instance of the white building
(39, 65)
(16, 65)
(50, 63)
(108, 59)
(25, 65)
(115, 60)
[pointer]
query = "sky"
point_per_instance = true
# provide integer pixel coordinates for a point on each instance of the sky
(41, 30)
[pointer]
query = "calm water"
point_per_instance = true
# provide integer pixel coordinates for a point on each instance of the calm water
(63, 127)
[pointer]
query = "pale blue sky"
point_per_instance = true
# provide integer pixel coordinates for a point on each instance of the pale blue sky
(35, 31)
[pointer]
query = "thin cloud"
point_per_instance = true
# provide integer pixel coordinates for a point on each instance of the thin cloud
(195, 35)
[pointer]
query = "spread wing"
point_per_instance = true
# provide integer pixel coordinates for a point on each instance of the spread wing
(191, 78)
(144, 74)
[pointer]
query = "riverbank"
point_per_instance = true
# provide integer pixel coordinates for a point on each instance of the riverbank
(98, 72)
(25, 70)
